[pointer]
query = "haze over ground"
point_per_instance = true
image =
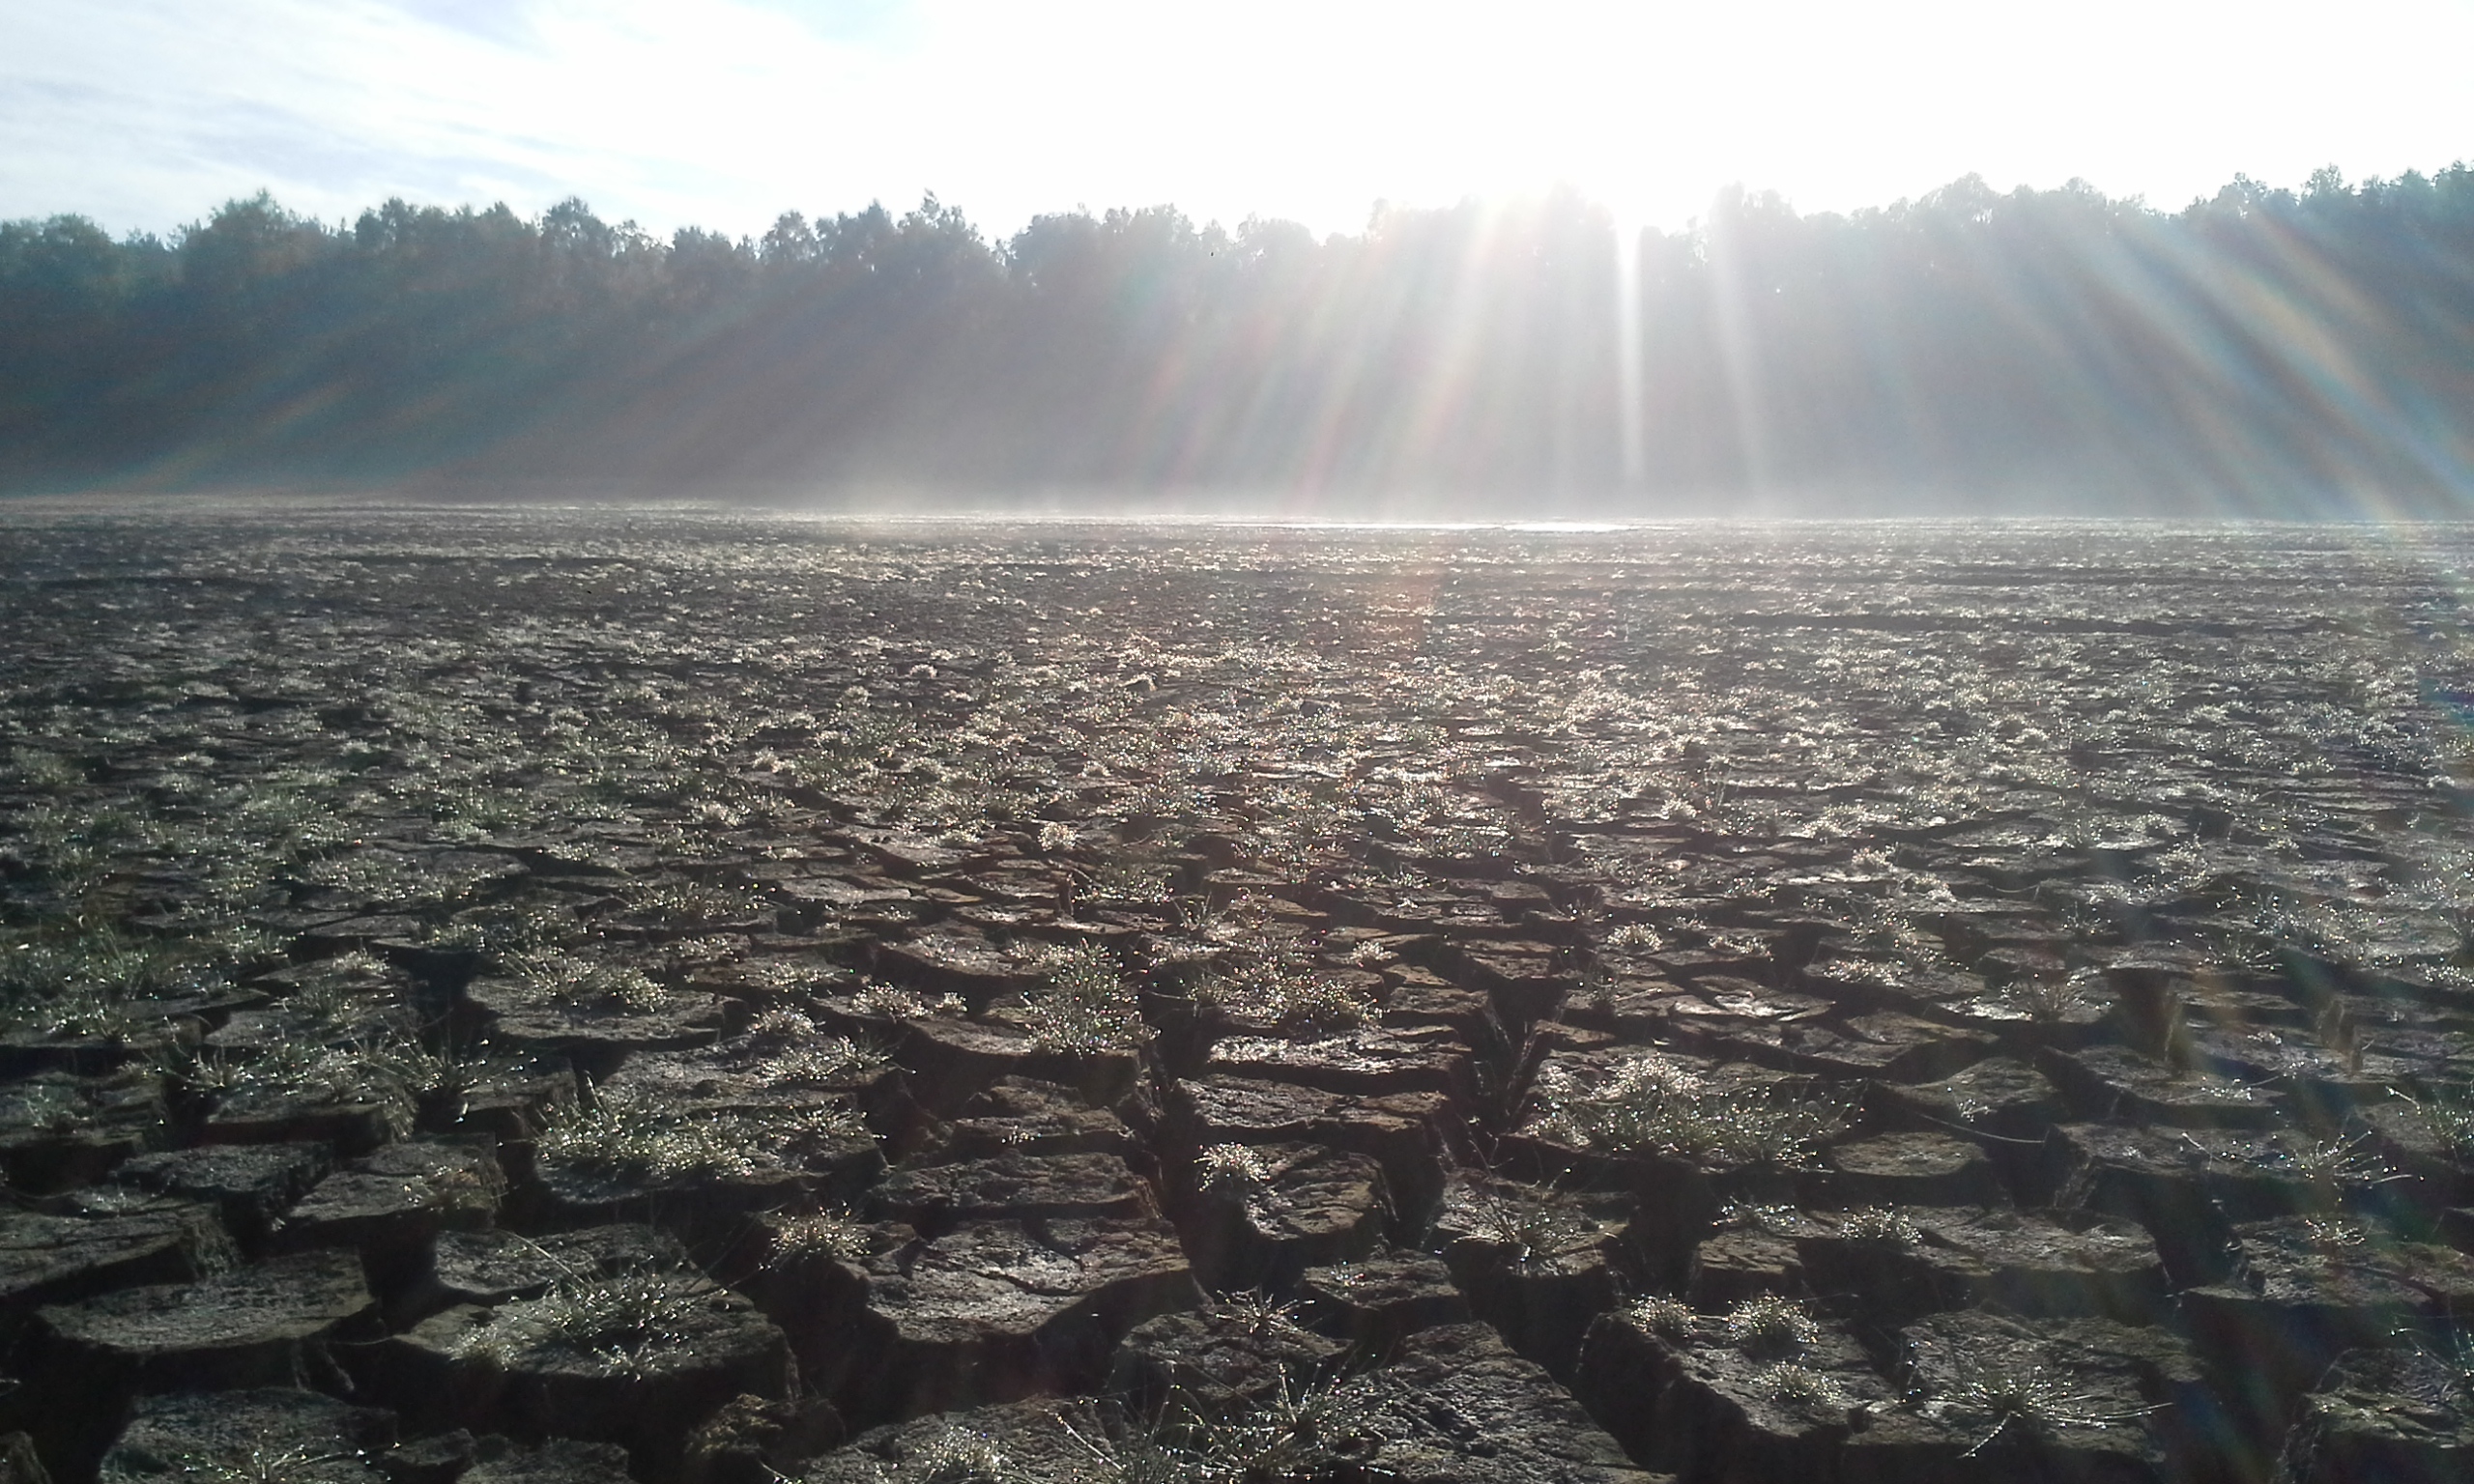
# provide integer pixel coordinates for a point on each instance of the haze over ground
(1369, 256)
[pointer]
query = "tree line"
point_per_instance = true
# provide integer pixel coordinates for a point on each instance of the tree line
(2282, 347)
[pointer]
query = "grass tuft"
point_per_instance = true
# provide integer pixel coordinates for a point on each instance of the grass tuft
(1800, 1385)
(892, 1002)
(1529, 1231)
(258, 1464)
(1669, 1319)
(2044, 999)
(826, 1061)
(1255, 1313)
(1232, 1168)
(588, 983)
(388, 1071)
(954, 1455)
(1086, 1007)
(618, 1318)
(1650, 1105)
(1770, 1325)
(1324, 1429)
(1880, 1226)
(1288, 997)
(2447, 1116)
(2028, 1402)
(73, 979)
(815, 1234)
(630, 1135)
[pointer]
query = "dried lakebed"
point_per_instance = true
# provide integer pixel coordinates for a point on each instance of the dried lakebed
(531, 994)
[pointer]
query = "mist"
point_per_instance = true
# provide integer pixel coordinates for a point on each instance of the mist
(2262, 351)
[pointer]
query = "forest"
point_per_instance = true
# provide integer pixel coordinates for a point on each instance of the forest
(2296, 350)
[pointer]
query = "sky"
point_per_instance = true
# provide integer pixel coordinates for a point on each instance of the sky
(145, 114)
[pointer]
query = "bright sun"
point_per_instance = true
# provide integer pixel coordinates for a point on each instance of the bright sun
(726, 113)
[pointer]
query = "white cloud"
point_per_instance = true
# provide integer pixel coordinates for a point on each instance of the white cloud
(147, 112)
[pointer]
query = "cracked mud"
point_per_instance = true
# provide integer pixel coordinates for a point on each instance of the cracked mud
(530, 995)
